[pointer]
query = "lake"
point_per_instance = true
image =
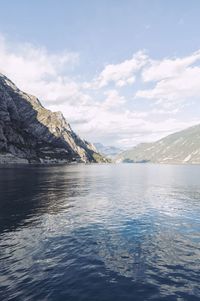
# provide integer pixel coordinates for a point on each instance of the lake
(100, 232)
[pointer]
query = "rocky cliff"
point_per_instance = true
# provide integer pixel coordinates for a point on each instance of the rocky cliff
(179, 148)
(30, 133)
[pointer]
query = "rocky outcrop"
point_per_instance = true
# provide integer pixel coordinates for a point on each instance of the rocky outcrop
(179, 148)
(31, 133)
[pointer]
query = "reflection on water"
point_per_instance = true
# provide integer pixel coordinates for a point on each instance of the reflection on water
(100, 232)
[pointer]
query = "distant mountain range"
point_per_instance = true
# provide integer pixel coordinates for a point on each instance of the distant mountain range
(108, 151)
(29, 133)
(179, 148)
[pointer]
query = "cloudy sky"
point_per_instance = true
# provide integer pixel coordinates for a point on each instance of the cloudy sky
(122, 72)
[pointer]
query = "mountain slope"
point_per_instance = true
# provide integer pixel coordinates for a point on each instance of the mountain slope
(31, 133)
(181, 148)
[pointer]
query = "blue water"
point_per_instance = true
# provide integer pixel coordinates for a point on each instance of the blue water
(100, 232)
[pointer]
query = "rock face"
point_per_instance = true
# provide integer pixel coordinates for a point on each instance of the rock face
(179, 148)
(30, 133)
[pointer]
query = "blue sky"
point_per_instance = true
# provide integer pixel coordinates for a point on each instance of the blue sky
(122, 72)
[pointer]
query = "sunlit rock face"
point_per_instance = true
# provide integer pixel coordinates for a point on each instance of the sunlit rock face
(179, 148)
(31, 133)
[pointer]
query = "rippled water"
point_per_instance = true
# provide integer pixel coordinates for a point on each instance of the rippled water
(100, 232)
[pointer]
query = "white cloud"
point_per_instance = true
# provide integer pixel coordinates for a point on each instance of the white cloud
(175, 89)
(100, 115)
(123, 73)
(37, 71)
(176, 82)
(167, 68)
(113, 99)
(28, 61)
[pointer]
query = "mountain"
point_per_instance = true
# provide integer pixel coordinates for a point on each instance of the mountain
(108, 151)
(179, 148)
(30, 133)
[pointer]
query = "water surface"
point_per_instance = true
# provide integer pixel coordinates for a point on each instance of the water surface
(100, 232)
